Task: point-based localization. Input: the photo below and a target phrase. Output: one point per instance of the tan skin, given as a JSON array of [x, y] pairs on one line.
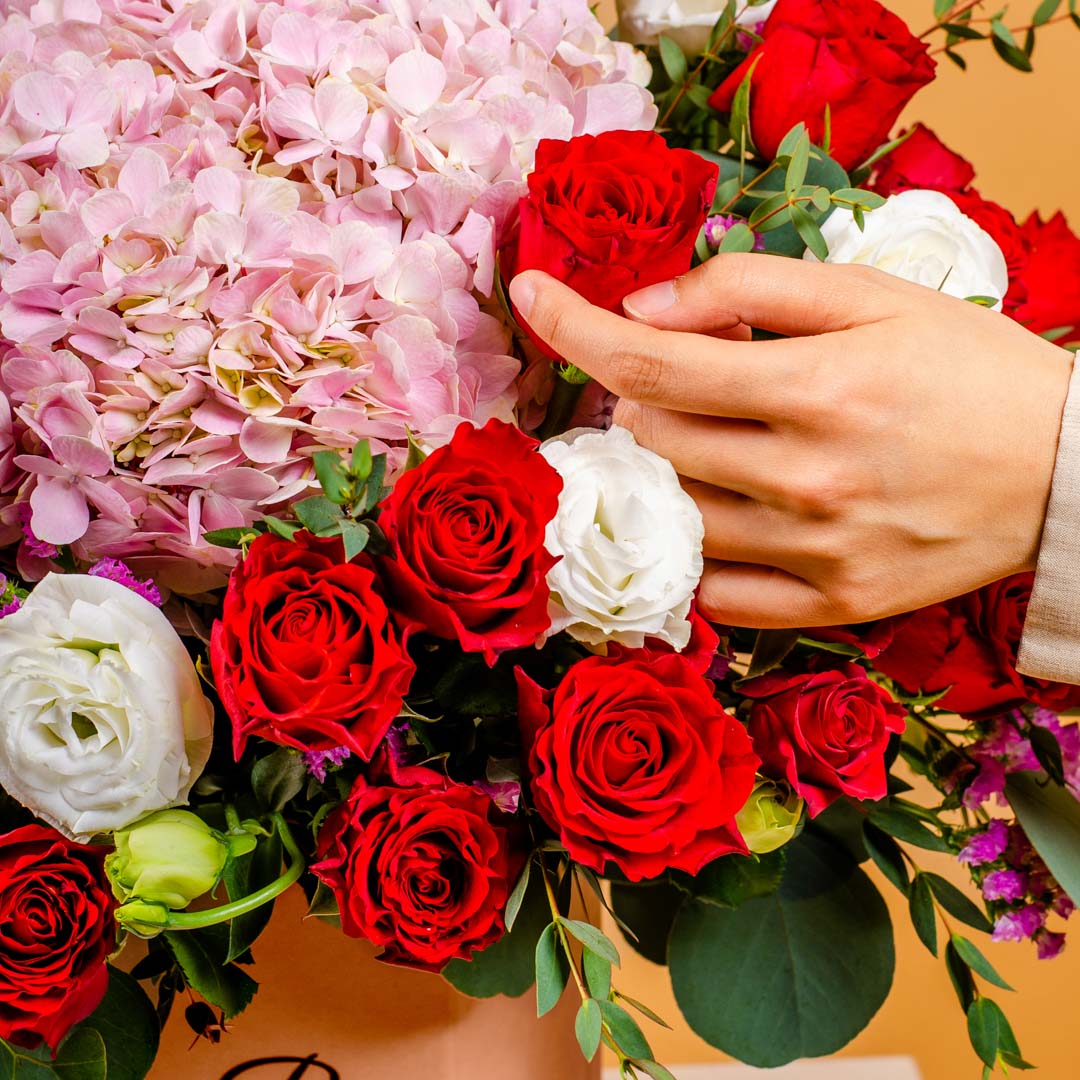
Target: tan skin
[[896, 448]]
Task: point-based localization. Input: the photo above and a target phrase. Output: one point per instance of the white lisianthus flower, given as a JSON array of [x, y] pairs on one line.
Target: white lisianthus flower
[[687, 22], [923, 237], [629, 538], [102, 718]]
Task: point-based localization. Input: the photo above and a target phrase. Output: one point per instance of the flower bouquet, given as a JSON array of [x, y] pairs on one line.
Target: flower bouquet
[[322, 571]]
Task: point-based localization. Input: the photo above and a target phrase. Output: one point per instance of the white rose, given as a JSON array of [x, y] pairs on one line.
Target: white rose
[[687, 22], [921, 236], [630, 540], [102, 719]]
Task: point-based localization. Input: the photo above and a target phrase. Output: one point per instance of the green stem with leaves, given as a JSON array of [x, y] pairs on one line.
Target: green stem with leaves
[[694, 75]]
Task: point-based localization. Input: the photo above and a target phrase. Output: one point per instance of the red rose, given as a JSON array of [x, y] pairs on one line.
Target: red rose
[[305, 653], [970, 644], [825, 731], [1047, 296], [1002, 226], [420, 865], [608, 214], [466, 533], [632, 761], [923, 161], [56, 932], [850, 55]]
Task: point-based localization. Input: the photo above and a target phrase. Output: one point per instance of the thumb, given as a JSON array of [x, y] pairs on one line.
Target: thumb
[[771, 292]]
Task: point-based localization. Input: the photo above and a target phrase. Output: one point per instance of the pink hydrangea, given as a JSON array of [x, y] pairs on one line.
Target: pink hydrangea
[[233, 233]]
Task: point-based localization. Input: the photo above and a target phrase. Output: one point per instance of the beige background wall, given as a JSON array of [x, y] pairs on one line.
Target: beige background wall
[[1022, 134]]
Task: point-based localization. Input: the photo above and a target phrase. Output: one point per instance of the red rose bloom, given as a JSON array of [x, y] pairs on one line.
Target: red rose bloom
[[420, 866], [853, 56], [824, 731], [632, 761], [56, 932], [1047, 296], [466, 533], [305, 653], [923, 161], [970, 645], [608, 214]]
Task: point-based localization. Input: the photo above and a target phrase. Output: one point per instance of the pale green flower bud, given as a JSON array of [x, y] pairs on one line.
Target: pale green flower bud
[[142, 919], [770, 817], [167, 859]]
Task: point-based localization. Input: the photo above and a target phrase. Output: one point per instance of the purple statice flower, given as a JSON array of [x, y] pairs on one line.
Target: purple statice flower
[[1006, 885], [397, 743], [115, 570], [1068, 737], [987, 846], [505, 794], [1062, 905], [10, 607], [39, 549], [318, 761], [719, 225], [1049, 944], [1020, 925], [989, 782]]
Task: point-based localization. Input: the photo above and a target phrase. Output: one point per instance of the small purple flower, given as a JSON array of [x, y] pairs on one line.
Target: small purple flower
[[505, 794], [10, 607], [719, 225], [39, 549], [1050, 944], [987, 846], [318, 761], [1019, 925], [1007, 885], [115, 570], [1062, 905], [397, 743], [989, 782]]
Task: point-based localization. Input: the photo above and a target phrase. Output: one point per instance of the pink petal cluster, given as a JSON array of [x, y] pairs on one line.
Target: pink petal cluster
[[235, 231]]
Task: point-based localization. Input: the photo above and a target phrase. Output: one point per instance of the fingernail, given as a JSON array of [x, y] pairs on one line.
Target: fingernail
[[645, 303], [523, 293]]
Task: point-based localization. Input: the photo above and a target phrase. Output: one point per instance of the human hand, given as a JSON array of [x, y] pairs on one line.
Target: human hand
[[895, 449]]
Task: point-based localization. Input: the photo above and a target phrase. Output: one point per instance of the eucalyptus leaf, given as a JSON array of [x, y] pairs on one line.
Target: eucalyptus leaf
[[673, 59], [552, 970], [984, 1029], [957, 903], [649, 911], [923, 913], [960, 974], [588, 1027], [1050, 815], [977, 962], [625, 1032], [278, 778]]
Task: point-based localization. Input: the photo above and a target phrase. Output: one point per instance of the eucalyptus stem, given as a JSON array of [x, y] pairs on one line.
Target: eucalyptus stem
[[197, 920]]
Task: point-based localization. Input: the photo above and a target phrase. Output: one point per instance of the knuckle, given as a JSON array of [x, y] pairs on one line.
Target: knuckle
[[638, 368], [820, 492]]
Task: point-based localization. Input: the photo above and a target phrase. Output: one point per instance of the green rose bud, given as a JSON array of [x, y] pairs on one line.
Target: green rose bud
[[142, 919], [770, 817], [167, 860]]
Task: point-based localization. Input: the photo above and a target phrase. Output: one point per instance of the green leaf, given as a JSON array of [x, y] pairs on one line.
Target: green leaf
[[374, 489], [509, 966], [201, 956], [673, 59], [625, 1032], [1050, 815], [597, 974], [517, 895], [360, 465], [887, 856], [771, 648], [808, 230], [977, 962], [655, 1070], [739, 125], [643, 1009], [984, 1029], [790, 141], [699, 94], [81, 1057], [552, 971], [1005, 46], [592, 938], [901, 825], [285, 529], [923, 913], [244, 876], [958, 904], [788, 975], [731, 880], [317, 514], [330, 472], [969, 33], [960, 974], [957, 59], [941, 8], [1048, 752], [589, 1023], [231, 538], [649, 911], [868, 200], [739, 237], [355, 536], [278, 778], [800, 162]]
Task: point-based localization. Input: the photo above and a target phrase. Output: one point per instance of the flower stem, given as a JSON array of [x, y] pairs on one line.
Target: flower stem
[[196, 920], [564, 398]]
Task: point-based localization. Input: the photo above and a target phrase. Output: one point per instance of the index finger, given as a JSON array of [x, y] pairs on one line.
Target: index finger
[[670, 369]]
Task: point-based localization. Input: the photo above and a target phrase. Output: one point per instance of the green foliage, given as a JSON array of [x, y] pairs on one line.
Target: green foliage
[[887, 856], [957, 903], [243, 876], [903, 825], [795, 974], [771, 649], [976, 961], [732, 880], [592, 937], [552, 970], [649, 912], [588, 1026], [1050, 816], [278, 778], [923, 913], [201, 955], [509, 966], [625, 1032]]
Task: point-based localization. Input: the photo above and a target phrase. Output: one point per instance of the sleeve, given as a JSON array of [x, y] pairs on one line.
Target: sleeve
[[1050, 647]]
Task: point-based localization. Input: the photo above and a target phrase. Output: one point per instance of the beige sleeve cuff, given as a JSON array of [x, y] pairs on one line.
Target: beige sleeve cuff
[[1050, 647]]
